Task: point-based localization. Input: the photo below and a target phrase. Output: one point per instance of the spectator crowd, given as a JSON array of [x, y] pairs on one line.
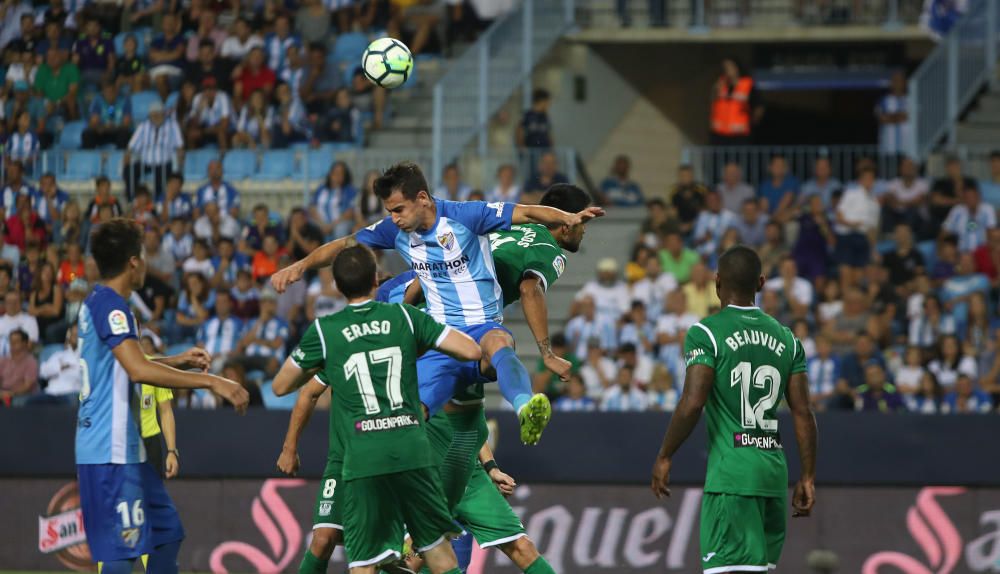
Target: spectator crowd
[[892, 286]]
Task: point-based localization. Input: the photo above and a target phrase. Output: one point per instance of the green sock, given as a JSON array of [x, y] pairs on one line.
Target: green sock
[[539, 566], [312, 565], [454, 571], [456, 466]]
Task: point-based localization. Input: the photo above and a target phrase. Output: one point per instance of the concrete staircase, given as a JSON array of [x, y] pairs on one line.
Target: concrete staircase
[[981, 125], [411, 111]]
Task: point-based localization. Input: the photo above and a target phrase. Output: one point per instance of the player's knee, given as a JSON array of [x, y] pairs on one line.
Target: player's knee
[[493, 341], [521, 551], [324, 541]]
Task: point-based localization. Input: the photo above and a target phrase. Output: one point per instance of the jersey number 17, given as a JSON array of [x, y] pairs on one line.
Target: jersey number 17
[[357, 366]]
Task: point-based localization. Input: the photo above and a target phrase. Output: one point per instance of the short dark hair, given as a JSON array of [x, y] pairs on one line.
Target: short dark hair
[[20, 333], [566, 197], [559, 340], [206, 43], [627, 348], [740, 270], [176, 176], [540, 95], [113, 244], [404, 177], [101, 180], [354, 271]]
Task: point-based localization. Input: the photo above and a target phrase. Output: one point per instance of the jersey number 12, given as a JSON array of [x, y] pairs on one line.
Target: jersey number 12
[[764, 377], [357, 366]]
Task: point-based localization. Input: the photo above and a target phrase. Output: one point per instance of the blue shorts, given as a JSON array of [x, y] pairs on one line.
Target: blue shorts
[[126, 510], [440, 376]]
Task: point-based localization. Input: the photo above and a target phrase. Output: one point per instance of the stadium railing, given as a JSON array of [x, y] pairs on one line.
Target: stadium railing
[[288, 186], [699, 15], [709, 161], [487, 74], [952, 75]]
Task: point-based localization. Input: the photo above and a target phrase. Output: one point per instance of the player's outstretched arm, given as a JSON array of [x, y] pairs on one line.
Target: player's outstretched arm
[[193, 358], [142, 370], [797, 395], [291, 377], [288, 461], [697, 385], [536, 313], [552, 216], [460, 346], [322, 255]]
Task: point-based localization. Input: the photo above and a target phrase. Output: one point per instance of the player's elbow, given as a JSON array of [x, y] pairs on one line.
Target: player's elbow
[[281, 385]]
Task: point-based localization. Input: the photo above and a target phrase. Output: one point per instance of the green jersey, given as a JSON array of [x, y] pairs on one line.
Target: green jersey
[[525, 250], [368, 353], [753, 356]]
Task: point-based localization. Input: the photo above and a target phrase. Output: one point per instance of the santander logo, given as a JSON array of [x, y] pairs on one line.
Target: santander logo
[[278, 526], [933, 530]]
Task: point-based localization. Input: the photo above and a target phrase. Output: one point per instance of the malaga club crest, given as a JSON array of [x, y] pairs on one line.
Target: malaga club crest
[[447, 240]]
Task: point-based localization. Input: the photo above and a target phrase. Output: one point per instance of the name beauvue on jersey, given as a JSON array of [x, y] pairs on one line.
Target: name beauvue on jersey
[[753, 337]]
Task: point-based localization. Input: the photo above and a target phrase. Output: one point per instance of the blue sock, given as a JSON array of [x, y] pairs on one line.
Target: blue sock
[[163, 560], [117, 567], [463, 550], [513, 378]]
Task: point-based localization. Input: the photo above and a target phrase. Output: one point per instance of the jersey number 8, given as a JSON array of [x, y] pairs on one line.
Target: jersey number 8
[[764, 377]]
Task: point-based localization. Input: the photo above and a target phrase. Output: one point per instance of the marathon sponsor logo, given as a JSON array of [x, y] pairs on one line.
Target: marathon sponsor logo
[[386, 423], [435, 266], [761, 441]]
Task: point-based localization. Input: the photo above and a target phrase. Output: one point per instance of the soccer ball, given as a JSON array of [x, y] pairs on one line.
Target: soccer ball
[[387, 62]]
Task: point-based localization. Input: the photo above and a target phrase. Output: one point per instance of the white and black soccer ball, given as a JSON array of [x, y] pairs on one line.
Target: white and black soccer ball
[[387, 62]]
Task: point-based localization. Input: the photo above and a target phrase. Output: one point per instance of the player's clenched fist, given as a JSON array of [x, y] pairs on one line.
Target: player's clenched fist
[[232, 392], [288, 462], [585, 215], [285, 277]]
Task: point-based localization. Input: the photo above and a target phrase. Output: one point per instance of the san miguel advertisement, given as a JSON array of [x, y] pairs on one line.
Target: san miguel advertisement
[[263, 526]]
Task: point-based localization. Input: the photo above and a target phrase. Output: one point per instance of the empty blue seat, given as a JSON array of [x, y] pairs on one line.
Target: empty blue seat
[[113, 164], [140, 104], [71, 136], [929, 250], [82, 165], [276, 165], [196, 163], [139, 40], [349, 48], [239, 164], [318, 163]]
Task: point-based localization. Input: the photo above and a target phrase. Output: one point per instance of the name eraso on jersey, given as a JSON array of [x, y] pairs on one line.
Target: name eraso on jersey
[[356, 330], [752, 337]]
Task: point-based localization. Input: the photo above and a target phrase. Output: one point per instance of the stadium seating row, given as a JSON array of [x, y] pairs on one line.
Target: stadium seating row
[[271, 165]]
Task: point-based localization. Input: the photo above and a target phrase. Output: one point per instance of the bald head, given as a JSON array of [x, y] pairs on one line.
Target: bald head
[[739, 272]]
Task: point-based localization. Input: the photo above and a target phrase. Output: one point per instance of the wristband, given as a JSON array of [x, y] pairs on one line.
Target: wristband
[[489, 465], [174, 452]]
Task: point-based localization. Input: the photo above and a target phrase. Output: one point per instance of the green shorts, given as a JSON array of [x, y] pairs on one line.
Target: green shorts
[[328, 512], [741, 533], [376, 508], [484, 512], [455, 441]]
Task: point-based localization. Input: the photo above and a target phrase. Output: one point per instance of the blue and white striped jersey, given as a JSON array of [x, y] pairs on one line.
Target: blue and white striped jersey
[[211, 115], [22, 147], [107, 429], [156, 145], [275, 329], [277, 51], [180, 247], [452, 259], [41, 206], [180, 206], [331, 203], [220, 336], [225, 196], [8, 196]]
